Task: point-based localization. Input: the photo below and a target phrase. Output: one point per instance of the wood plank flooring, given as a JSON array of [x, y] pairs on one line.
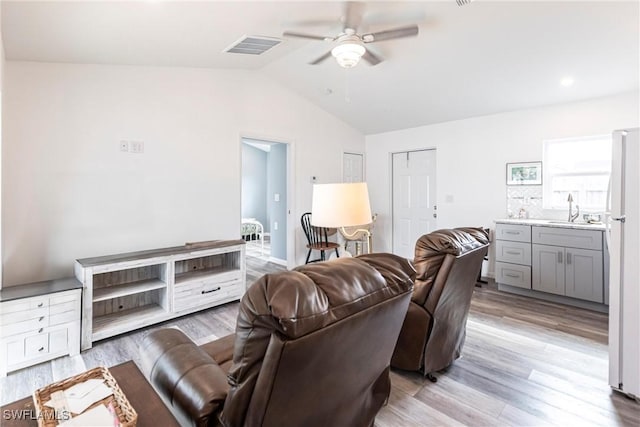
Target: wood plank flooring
[[525, 363]]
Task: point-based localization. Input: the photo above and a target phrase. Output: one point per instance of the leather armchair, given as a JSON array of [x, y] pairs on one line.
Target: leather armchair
[[312, 348], [447, 263]]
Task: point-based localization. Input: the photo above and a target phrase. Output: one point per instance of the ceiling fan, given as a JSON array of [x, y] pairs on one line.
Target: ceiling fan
[[349, 45]]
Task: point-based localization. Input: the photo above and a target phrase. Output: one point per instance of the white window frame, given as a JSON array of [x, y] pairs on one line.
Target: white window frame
[[547, 190]]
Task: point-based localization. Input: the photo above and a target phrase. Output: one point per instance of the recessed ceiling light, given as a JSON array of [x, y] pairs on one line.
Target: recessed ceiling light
[[566, 81]]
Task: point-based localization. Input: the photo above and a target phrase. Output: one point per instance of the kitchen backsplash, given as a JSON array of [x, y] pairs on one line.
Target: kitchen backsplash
[[524, 201]]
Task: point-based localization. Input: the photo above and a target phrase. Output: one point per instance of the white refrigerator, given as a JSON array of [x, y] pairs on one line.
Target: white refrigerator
[[623, 237]]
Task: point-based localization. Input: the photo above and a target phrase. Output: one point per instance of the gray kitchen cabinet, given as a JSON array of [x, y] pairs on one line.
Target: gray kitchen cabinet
[[548, 269], [570, 263], [513, 255], [566, 263], [584, 278]]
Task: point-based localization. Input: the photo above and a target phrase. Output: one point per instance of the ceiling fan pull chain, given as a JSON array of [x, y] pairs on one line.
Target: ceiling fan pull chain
[[347, 95]]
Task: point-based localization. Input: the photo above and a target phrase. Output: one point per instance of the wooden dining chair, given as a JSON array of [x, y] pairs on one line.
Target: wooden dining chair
[[317, 239]]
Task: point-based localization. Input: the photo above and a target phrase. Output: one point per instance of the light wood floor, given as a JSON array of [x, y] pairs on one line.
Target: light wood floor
[[525, 363]]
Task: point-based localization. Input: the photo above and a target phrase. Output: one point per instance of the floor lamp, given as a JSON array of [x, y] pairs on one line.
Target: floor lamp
[[340, 206]]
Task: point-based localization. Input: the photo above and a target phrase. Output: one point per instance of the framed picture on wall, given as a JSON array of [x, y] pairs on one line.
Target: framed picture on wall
[[527, 173]]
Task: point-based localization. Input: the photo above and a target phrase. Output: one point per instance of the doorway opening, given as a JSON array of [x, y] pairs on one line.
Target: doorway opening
[[413, 205], [265, 199]]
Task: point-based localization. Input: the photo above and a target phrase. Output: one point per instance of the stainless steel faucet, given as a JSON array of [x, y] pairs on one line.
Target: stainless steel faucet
[[572, 216]]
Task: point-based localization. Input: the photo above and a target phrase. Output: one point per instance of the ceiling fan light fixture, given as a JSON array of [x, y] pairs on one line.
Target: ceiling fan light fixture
[[348, 53]]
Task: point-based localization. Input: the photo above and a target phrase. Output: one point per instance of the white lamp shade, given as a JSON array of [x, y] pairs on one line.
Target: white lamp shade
[[340, 205]]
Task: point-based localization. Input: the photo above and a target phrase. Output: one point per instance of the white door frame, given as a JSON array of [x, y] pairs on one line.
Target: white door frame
[[291, 225], [391, 180]]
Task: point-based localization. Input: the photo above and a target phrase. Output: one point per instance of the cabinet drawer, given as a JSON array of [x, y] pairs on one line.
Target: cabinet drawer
[[513, 274], [21, 316], [30, 325], [61, 308], [568, 237], [513, 252], [64, 297], [513, 232], [36, 345], [204, 293], [60, 318], [23, 305]]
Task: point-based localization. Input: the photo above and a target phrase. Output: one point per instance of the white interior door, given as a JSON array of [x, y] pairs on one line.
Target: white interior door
[[352, 167], [414, 209]]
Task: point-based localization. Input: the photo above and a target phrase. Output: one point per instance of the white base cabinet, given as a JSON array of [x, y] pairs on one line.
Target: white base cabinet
[[40, 324], [128, 291]]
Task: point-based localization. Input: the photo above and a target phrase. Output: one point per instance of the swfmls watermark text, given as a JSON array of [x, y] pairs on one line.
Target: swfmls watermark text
[[30, 414]]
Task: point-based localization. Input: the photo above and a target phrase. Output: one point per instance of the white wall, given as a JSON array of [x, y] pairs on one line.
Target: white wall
[[69, 193], [472, 154]]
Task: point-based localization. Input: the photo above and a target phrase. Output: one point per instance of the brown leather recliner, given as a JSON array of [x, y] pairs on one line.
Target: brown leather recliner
[[312, 348], [447, 263]]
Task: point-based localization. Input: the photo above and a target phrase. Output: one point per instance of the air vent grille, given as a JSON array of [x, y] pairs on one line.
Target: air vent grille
[[253, 45]]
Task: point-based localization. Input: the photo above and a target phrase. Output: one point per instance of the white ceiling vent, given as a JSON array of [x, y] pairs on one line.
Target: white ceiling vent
[[253, 45]]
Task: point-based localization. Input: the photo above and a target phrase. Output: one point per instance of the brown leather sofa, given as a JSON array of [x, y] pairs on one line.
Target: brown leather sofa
[[312, 348], [447, 263]]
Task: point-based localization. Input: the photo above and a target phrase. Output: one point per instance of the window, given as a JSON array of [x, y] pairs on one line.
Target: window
[[580, 166]]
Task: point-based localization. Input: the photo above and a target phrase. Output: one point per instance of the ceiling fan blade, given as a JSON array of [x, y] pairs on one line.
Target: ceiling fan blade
[[371, 57], [353, 11], [396, 33], [320, 59], [305, 36]]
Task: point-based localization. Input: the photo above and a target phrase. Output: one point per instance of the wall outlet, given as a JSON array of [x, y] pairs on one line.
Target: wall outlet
[[136, 147], [275, 225], [276, 197], [124, 146]]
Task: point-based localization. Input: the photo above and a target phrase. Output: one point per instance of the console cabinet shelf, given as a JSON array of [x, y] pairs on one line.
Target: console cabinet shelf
[[129, 291]]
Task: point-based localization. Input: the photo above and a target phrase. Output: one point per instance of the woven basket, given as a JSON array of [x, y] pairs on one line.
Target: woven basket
[[46, 416]]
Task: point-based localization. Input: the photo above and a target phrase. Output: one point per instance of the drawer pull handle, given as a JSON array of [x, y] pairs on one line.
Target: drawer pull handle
[[559, 257], [513, 253], [41, 319], [569, 258], [41, 349], [40, 330], [512, 275], [212, 290], [40, 305], [512, 232]]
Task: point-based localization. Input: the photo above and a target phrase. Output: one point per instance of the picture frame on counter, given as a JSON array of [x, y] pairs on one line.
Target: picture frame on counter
[[525, 173]]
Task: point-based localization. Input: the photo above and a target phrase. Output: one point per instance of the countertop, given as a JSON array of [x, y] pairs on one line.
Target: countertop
[[553, 223], [29, 290]]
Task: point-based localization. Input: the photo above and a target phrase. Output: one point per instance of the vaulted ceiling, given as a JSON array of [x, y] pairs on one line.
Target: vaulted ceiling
[[483, 58]]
